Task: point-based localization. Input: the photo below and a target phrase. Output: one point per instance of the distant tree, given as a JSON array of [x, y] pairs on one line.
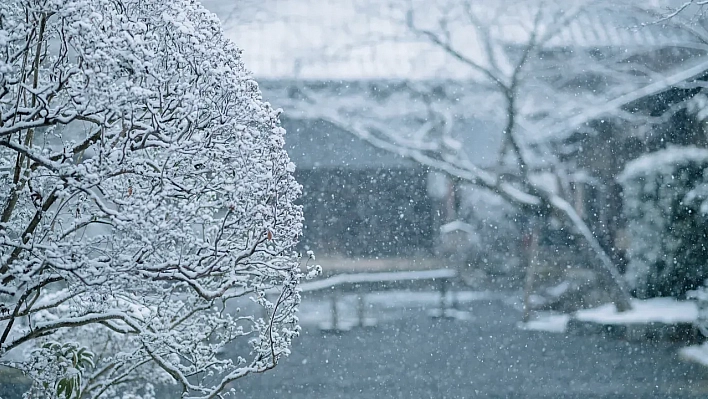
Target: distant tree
[[525, 74], [144, 195]]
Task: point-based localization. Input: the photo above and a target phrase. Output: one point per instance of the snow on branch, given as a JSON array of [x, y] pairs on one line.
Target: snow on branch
[[614, 105]]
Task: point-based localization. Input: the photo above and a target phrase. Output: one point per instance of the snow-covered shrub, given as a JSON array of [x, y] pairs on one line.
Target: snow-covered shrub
[[667, 229], [144, 195]]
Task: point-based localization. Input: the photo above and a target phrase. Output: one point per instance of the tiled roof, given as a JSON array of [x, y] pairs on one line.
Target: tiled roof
[[351, 39]]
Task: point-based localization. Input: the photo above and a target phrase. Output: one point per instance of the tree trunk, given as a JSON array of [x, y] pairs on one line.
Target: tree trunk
[[531, 258], [602, 264]]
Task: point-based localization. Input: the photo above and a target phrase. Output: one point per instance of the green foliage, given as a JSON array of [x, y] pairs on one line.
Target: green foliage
[[72, 361]]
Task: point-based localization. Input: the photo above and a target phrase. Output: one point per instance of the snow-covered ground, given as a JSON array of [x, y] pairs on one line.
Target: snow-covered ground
[[416, 356], [653, 310], [547, 322], [695, 353]]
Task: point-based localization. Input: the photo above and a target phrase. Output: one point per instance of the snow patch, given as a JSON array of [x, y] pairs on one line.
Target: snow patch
[[556, 323], [660, 310], [379, 277], [695, 353], [458, 225], [558, 290]]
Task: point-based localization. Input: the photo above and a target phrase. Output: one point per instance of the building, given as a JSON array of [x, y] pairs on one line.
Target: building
[[356, 57]]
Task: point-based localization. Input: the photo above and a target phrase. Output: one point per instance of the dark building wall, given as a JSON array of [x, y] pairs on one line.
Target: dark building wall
[[366, 212]]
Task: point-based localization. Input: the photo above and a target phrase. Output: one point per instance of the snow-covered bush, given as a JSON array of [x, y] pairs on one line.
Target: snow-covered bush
[[664, 204], [144, 196]]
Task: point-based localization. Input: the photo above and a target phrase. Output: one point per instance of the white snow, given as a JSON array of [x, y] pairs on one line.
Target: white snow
[[355, 278], [556, 323], [664, 160], [545, 181], [458, 225], [661, 310], [558, 290], [695, 353]]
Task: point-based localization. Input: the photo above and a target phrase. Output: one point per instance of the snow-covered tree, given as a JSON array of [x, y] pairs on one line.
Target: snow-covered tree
[[525, 74], [145, 197]]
